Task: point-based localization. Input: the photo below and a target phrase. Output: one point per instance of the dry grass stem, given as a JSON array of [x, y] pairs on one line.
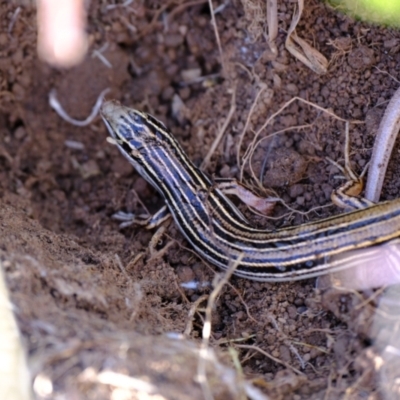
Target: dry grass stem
[[214, 24], [182, 7], [204, 349], [221, 132], [250, 151], [15, 379], [300, 49], [277, 360], [254, 11], [193, 309], [241, 137], [264, 165], [272, 22]]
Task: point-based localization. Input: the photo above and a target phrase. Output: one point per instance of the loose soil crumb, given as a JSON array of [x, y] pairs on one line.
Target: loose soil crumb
[[89, 298]]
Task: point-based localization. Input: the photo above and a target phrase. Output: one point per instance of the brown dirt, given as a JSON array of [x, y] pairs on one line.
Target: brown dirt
[[83, 297]]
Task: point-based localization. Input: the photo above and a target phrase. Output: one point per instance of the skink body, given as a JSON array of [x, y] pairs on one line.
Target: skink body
[[219, 232]]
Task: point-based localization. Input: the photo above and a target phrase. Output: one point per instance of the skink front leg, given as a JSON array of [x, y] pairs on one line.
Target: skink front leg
[[149, 222]]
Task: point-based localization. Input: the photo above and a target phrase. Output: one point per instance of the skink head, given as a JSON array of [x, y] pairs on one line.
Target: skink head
[[137, 135], [126, 125]]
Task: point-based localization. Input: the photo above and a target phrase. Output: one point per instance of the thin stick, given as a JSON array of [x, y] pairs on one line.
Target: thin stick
[[13, 20], [192, 312], [122, 5], [383, 146], [277, 360], [15, 380], [272, 22], [264, 164], [241, 137], [214, 23], [182, 7], [221, 132], [203, 357], [250, 150]]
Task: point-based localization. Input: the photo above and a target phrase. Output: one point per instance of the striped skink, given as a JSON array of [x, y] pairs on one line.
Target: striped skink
[[219, 232]]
